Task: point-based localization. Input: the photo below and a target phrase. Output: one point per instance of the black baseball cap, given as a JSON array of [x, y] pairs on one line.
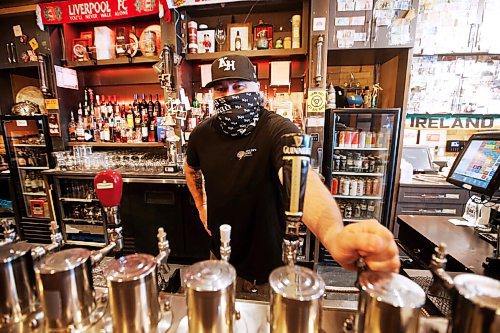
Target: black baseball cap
[[232, 67]]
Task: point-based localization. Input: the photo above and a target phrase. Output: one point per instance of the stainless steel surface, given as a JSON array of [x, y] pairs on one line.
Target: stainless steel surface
[[17, 283], [210, 296], [388, 302], [296, 298], [477, 305], [64, 282], [133, 294], [9, 231]]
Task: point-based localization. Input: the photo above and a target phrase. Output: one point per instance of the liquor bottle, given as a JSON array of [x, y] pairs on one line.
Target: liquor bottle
[[80, 110], [237, 42], [143, 106], [109, 107], [116, 107], [27, 183], [130, 117], [97, 107], [98, 131], [105, 132], [152, 133], [151, 108], [118, 127], [111, 125], [72, 129], [144, 129], [80, 133], [137, 118], [157, 108], [136, 103], [103, 107], [86, 107], [91, 104], [41, 183]]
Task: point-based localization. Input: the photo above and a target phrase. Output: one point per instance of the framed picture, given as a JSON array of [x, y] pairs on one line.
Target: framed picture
[[87, 35], [80, 49], [241, 33], [206, 41]]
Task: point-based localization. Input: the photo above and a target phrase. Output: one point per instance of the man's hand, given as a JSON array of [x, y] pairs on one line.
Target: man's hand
[[370, 240], [202, 210]]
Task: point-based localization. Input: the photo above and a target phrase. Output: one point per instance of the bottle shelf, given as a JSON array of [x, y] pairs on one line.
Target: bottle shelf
[[28, 145], [362, 149], [86, 221], [35, 194], [356, 220], [78, 200], [368, 174], [34, 168], [115, 62], [270, 53], [359, 197], [117, 144]]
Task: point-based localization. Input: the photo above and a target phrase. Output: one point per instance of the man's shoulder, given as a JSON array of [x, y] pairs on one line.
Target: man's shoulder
[[278, 123], [203, 128]]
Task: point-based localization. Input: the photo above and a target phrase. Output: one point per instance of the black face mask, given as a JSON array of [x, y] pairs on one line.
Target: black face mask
[[238, 114]]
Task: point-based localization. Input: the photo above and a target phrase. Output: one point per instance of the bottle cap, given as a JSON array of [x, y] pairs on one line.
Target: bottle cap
[[225, 233]]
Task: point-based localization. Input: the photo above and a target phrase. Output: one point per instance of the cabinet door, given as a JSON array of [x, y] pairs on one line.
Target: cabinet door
[[392, 27], [350, 23], [27, 22]]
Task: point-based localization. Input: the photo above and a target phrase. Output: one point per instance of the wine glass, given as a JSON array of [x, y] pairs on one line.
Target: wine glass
[[220, 35]]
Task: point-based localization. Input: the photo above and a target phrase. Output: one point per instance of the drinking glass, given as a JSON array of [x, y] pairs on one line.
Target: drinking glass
[[220, 35]]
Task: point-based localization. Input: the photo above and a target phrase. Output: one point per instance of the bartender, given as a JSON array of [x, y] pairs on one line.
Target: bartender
[[233, 171]]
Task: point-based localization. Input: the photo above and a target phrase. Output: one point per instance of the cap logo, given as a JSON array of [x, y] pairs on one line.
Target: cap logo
[[228, 65]]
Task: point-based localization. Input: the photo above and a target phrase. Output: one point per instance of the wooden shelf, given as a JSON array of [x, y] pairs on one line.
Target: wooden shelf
[[27, 145], [349, 148], [252, 54], [115, 62], [358, 197], [346, 173], [33, 168], [118, 144]]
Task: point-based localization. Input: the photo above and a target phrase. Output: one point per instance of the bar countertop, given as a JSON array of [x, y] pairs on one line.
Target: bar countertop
[[463, 244]]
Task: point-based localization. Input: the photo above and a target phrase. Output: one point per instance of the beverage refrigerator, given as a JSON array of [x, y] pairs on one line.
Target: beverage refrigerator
[[360, 150], [29, 151]]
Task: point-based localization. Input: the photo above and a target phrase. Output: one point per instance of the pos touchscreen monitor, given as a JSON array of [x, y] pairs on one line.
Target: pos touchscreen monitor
[[476, 168]]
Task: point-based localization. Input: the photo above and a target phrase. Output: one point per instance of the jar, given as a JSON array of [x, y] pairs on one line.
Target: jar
[[287, 42], [295, 32]]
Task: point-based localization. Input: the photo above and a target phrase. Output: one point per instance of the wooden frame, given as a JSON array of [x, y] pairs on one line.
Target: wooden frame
[[83, 42], [89, 35], [243, 28]]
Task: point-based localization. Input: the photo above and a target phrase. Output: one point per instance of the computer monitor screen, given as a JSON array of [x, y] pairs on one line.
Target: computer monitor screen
[[419, 157], [476, 168]]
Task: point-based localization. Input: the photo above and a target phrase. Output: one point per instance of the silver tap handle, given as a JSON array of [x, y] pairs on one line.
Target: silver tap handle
[[162, 258], [225, 239]]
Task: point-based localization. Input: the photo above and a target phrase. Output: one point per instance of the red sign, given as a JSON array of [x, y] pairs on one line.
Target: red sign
[[77, 11]]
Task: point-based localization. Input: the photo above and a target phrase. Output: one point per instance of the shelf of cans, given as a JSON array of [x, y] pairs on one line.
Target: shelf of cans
[[356, 211], [358, 139]]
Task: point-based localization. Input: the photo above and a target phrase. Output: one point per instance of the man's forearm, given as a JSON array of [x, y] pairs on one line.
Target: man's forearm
[[194, 180], [321, 214]]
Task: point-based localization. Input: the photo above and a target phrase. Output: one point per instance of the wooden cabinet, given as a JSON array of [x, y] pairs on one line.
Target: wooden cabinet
[[420, 198]]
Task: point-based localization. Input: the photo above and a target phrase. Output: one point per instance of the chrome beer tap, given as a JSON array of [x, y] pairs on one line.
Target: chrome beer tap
[[161, 259], [9, 232], [56, 238]]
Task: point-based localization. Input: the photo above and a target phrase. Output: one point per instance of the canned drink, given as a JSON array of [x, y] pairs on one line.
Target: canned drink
[[345, 188], [361, 187], [353, 189], [368, 140], [376, 187], [369, 187], [374, 139], [343, 163], [362, 139], [335, 186], [341, 139], [336, 162], [355, 140], [341, 186], [348, 139]]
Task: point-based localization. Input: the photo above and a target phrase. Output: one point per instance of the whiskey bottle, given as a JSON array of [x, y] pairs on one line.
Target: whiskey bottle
[[72, 129], [237, 42]]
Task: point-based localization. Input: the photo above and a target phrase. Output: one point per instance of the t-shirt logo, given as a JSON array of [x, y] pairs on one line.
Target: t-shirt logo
[[228, 65], [245, 153]]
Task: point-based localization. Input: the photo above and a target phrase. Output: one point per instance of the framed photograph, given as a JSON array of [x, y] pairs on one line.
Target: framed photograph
[[80, 49], [206, 41], [87, 35], [241, 33]]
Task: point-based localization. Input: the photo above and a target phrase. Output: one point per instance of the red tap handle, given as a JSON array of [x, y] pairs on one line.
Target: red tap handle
[[108, 185]]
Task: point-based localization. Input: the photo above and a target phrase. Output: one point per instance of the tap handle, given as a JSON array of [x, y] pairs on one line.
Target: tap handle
[[225, 233]]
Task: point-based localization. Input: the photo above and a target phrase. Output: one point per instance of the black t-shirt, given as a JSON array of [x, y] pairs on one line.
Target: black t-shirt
[[244, 191]]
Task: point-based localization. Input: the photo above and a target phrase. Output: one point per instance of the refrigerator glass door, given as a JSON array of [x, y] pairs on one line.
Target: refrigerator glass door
[[28, 157], [363, 143]]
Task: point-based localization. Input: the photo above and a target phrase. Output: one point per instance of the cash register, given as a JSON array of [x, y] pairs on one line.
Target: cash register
[[477, 170]]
